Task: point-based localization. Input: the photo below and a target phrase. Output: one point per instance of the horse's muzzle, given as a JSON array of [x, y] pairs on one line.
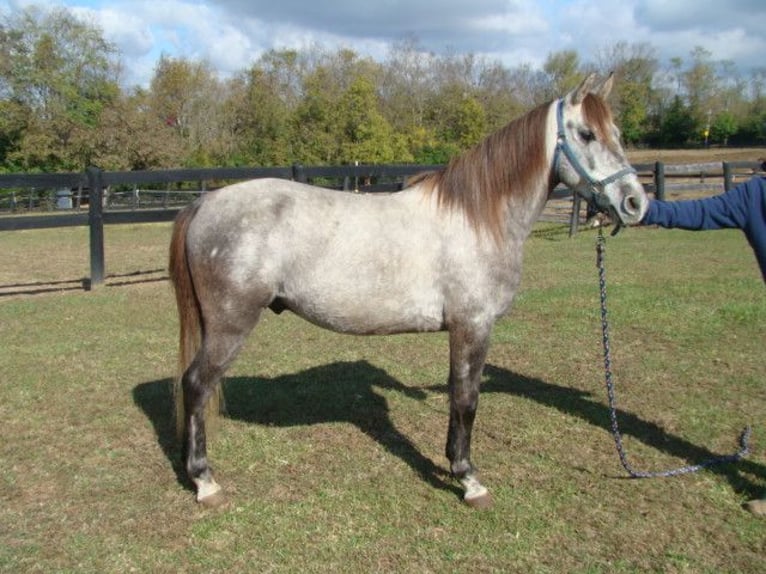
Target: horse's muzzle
[[633, 206]]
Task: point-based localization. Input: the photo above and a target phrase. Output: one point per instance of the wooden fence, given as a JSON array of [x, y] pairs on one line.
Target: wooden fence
[[133, 196]]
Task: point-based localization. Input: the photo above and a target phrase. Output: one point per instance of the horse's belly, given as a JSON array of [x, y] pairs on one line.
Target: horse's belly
[[369, 315]]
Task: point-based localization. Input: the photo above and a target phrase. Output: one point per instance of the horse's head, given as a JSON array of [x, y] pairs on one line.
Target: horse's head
[[589, 157]]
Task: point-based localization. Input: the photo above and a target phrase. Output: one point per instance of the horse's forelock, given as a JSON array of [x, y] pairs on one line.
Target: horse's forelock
[[510, 162], [599, 117]]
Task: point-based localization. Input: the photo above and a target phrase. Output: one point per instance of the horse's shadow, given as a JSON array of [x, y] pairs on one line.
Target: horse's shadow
[[346, 392], [338, 392], [581, 404]]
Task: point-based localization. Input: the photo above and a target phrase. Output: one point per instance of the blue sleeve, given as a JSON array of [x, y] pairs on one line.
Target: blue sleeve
[[743, 207], [728, 209]]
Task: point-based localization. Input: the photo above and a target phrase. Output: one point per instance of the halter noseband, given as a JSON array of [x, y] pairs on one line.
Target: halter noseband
[[562, 146]]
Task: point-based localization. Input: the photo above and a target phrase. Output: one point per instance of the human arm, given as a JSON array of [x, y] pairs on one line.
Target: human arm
[[742, 207], [727, 210]]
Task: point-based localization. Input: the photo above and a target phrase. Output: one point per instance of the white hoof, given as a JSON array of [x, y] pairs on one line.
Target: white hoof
[[209, 492], [476, 495]]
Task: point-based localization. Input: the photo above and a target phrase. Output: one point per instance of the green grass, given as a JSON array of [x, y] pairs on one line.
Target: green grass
[[332, 455]]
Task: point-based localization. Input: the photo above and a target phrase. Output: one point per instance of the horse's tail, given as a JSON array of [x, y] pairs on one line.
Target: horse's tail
[[189, 315]]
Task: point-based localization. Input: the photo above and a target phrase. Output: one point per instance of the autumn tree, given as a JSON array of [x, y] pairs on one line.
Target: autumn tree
[[405, 88], [634, 66], [406, 85], [132, 136], [563, 71], [187, 96], [263, 101], [498, 95], [700, 83], [62, 106], [57, 75]]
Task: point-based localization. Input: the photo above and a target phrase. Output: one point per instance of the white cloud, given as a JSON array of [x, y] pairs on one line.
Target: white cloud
[[128, 31], [681, 15], [231, 34]]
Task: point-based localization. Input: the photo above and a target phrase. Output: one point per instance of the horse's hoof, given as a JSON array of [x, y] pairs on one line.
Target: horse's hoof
[[214, 500], [481, 502], [476, 494]]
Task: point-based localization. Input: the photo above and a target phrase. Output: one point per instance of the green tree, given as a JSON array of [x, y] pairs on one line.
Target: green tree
[[563, 71], [14, 119], [263, 101], [459, 118], [632, 113], [57, 76], [634, 66], [367, 135], [701, 86], [315, 123], [678, 125], [723, 126]]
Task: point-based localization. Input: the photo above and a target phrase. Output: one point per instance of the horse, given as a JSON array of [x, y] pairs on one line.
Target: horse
[[443, 254]]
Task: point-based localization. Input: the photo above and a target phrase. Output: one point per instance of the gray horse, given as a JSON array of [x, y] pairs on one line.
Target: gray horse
[[444, 254]]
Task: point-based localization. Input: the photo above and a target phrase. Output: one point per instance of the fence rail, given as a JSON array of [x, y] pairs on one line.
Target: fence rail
[[105, 192]]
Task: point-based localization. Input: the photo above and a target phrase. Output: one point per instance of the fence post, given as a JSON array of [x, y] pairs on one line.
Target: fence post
[[299, 174], [574, 218], [728, 176], [96, 226], [659, 181]]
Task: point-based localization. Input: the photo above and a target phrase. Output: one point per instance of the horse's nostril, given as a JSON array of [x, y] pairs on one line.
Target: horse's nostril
[[632, 204]]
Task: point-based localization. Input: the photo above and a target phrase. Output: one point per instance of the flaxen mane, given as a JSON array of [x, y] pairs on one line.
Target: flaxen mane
[[479, 182]]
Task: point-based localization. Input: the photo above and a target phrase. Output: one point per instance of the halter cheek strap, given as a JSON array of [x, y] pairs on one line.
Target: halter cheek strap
[[562, 146]]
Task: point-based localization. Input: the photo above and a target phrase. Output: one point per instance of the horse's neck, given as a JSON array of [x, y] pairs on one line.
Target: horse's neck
[[524, 209], [522, 217]]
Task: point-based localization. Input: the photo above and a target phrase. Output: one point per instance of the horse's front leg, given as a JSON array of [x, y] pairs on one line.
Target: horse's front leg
[[468, 351]]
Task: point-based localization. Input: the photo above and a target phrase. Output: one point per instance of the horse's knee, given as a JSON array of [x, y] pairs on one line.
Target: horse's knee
[[466, 403], [198, 383]]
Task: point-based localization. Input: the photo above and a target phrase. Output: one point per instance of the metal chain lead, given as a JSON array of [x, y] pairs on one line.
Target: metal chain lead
[[743, 439]]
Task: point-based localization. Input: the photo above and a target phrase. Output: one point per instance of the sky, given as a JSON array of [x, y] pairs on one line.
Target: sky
[[232, 34]]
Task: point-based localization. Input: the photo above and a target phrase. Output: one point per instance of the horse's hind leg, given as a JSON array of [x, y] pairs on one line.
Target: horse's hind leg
[[219, 348], [468, 351]]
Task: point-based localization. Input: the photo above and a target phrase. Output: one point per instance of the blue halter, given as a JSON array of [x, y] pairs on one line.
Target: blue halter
[[562, 146]]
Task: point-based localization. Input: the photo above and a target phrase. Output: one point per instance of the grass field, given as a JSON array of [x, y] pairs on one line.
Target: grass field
[[332, 454]]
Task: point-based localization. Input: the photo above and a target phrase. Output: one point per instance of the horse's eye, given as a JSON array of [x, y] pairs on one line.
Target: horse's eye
[[587, 135]]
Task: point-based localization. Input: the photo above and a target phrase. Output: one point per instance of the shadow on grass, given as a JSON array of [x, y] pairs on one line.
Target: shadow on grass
[[581, 404], [82, 284], [346, 392], [339, 392]]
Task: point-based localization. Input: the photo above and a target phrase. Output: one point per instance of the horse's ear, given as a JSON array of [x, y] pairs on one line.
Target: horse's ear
[[606, 87], [578, 95]]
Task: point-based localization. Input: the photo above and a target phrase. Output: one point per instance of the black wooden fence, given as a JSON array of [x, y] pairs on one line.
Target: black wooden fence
[[105, 192]]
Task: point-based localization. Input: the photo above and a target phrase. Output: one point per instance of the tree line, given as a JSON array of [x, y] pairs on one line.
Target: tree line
[[63, 106]]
